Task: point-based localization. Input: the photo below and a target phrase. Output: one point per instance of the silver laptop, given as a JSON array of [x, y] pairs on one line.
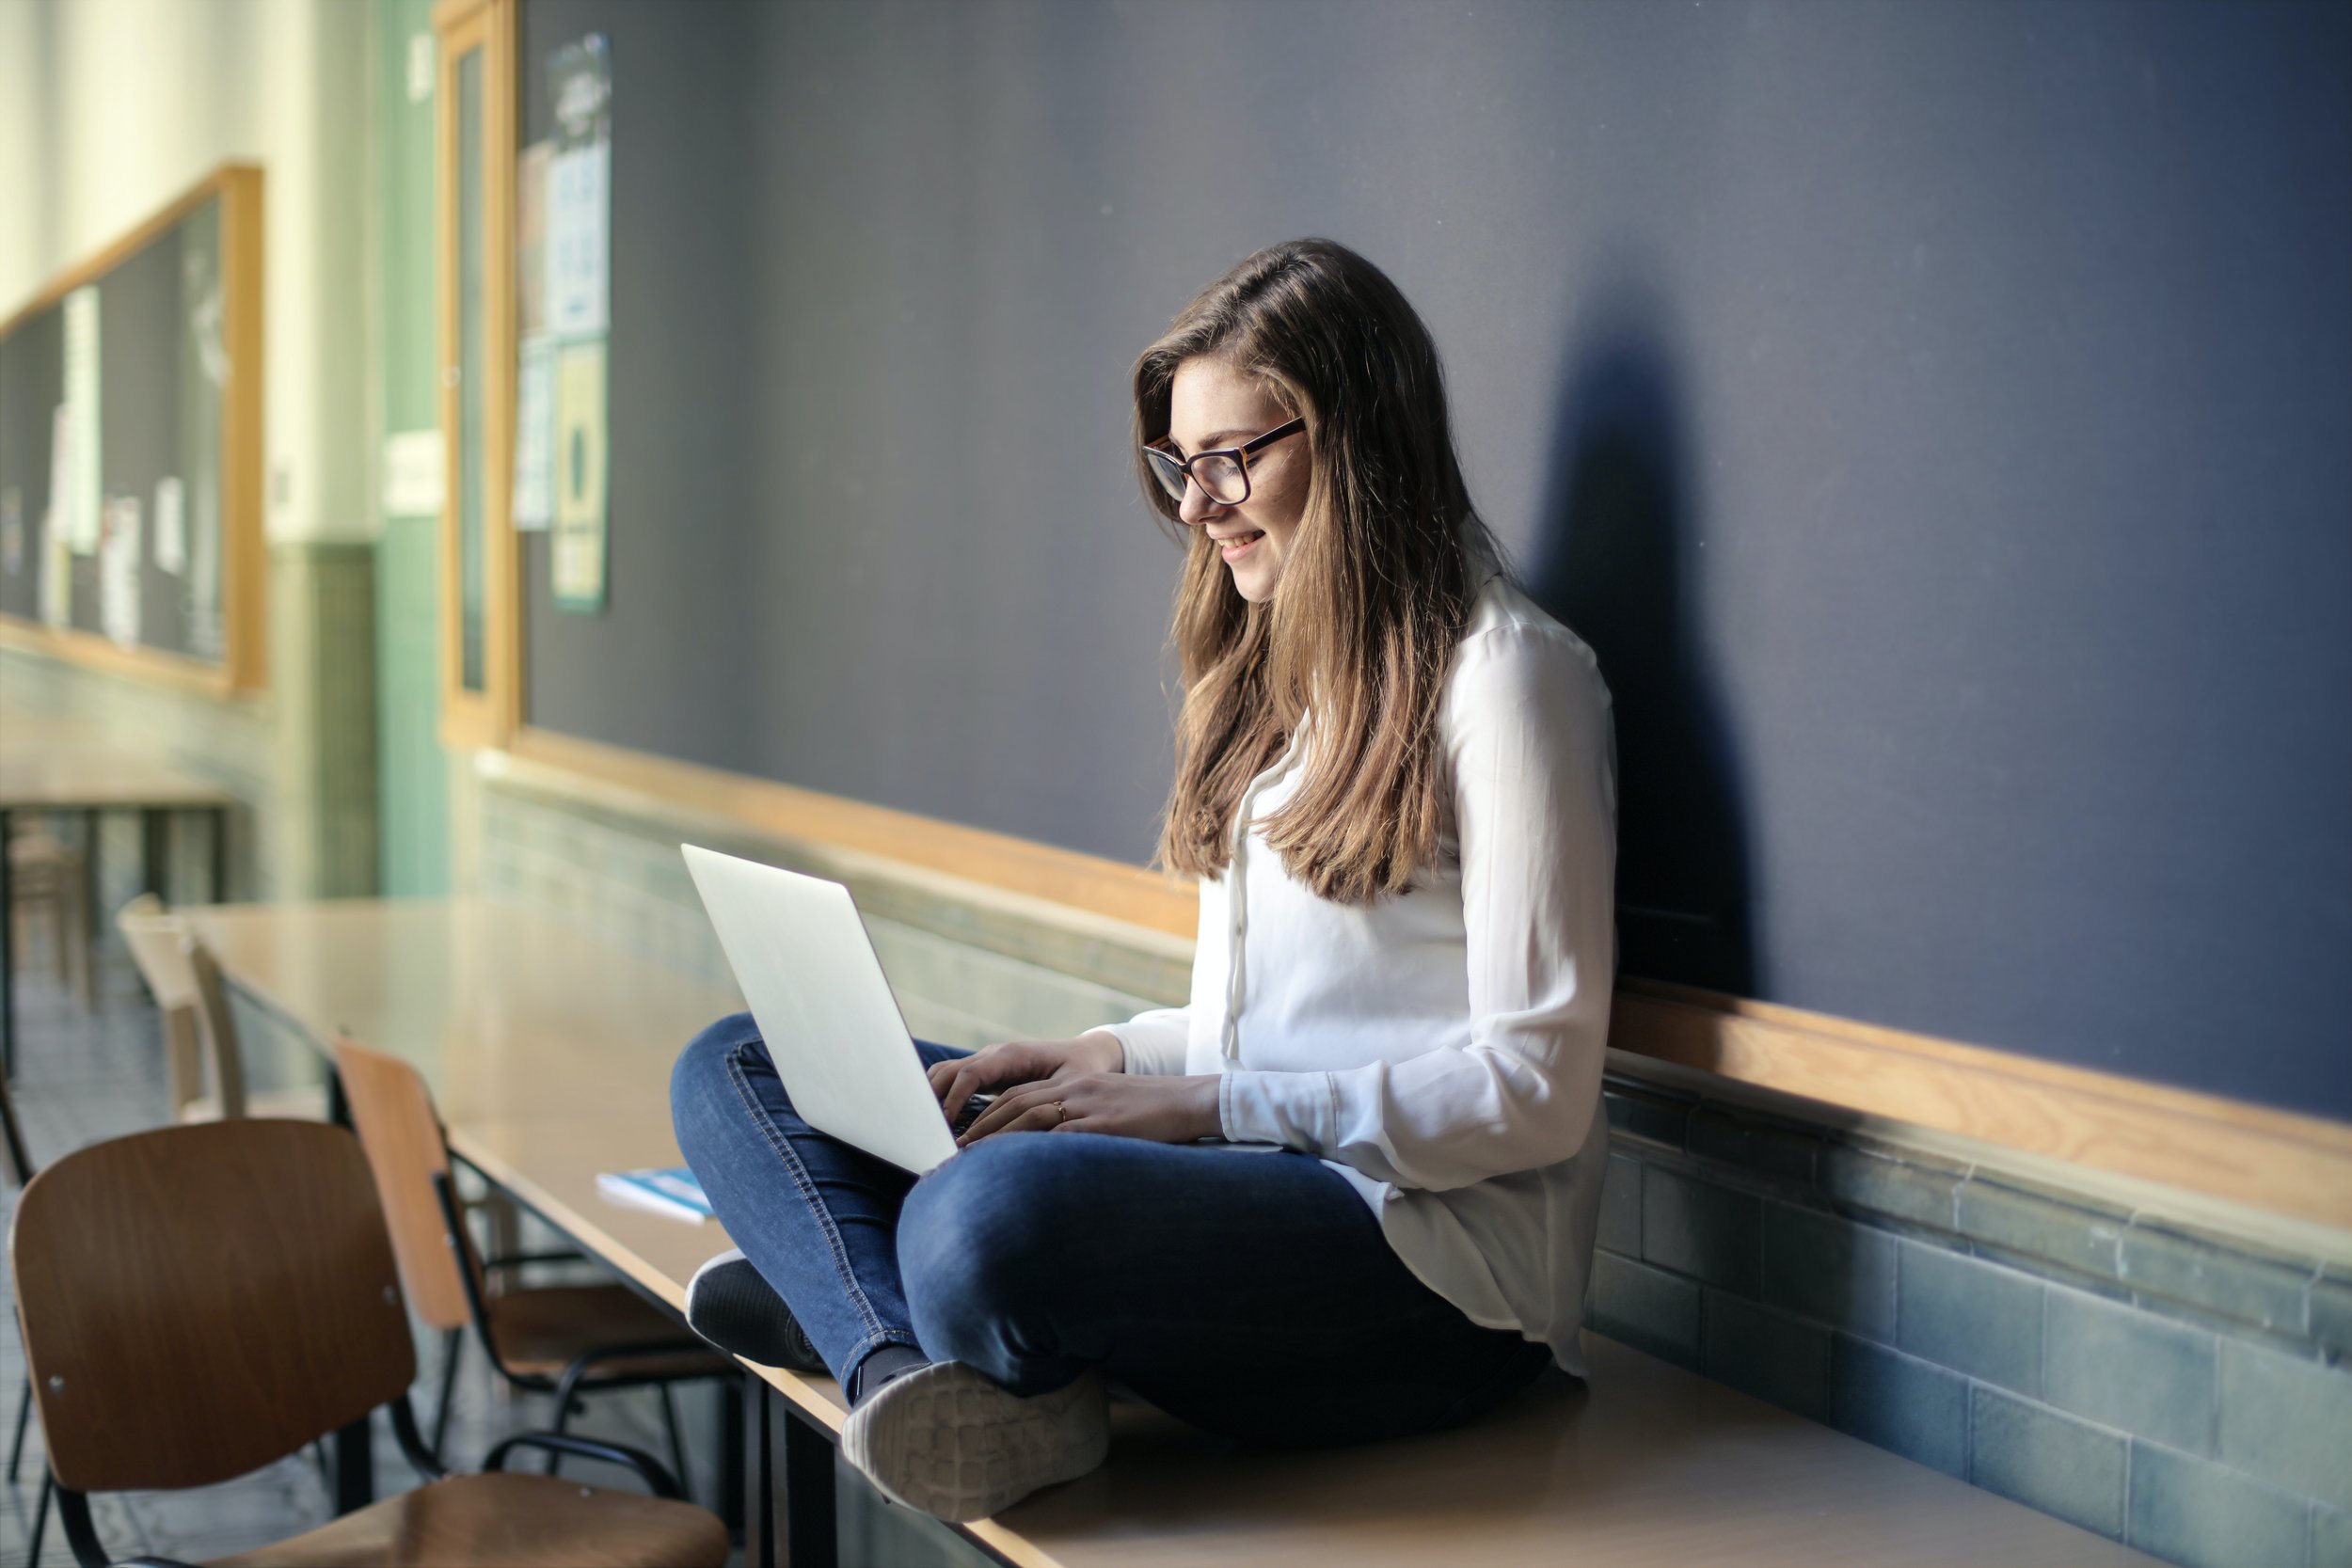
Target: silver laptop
[[817, 990]]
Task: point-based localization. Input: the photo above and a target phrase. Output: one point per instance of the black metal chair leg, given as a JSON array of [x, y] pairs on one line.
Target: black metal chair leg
[[41, 1518], [566, 1392], [23, 1420], [452, 1346], [677, 1444]]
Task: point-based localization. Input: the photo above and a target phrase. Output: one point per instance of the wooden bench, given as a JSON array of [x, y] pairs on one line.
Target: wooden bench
[[549, 1052]]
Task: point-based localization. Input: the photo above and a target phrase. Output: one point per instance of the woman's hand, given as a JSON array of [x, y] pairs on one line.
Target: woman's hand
[[995, 1066], [1159, 1110]]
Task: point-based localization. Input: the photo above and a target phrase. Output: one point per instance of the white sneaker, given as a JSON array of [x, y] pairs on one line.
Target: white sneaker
[[946, 1441]]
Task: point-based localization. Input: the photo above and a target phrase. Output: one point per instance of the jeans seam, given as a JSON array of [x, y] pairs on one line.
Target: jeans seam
[[878, 1332]]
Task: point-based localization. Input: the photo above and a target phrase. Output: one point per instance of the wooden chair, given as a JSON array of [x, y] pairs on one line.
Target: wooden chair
[[199, 1026], [46, 879], [564, 1340], [201, 1301], [19, 1160]]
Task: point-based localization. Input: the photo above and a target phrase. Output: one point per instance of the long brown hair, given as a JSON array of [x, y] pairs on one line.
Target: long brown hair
[[1376, 591]]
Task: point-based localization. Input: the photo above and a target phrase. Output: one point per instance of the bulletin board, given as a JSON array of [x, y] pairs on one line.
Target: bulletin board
[[130, 448]]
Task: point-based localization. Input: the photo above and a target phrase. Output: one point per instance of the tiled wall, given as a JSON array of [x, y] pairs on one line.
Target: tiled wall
[[2162, 1382]]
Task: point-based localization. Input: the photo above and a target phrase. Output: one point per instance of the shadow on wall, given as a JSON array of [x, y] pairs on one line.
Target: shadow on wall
[[1611, 559]]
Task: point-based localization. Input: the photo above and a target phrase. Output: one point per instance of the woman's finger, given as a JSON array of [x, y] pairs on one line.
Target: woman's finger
[[975, 1074], [1007, 1112], [958, 1086]]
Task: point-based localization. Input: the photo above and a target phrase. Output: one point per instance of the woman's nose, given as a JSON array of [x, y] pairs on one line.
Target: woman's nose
[[1198, 505]]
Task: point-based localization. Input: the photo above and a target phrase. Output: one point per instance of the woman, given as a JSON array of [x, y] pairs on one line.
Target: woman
[[1396, 783]]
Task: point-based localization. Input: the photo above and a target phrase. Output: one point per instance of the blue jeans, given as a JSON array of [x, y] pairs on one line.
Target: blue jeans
[[1251, 1294]]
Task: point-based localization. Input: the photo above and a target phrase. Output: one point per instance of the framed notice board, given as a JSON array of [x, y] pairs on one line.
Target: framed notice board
[[131, 449]]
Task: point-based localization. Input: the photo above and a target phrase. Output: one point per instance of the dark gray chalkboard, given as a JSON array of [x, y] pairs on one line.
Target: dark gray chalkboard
[[159, 416], [1939, 416]]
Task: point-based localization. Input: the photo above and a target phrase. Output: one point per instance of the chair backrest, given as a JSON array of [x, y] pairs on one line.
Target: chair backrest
[[199, 1300], [158, 941], [392, 1111], [220, 1026]]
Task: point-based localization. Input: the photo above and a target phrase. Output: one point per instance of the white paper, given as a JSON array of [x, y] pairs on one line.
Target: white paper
[[119, 558], [577, 187], [415, 482], [534, 438], [171, 526], [56, 575], [62, 493], [81, 403], [202, 631], [577, 551]]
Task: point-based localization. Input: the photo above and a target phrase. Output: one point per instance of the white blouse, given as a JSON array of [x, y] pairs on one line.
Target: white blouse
[[1443, 1051]]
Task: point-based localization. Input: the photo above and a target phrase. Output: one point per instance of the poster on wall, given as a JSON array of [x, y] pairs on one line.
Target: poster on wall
[[82, 520], [563, 251], [578, 555], [578, 181], [534, 437], [63, 493], [118, 552], [56, 573], [171, 528]]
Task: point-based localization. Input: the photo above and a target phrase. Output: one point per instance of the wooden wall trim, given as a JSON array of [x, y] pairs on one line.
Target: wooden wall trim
[[479, 717], [2275, 1160], [1109, 888], [245, 575], [2294, 1166], [89, 649]]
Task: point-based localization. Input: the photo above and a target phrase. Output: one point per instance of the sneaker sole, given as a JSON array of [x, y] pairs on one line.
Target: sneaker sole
[[945, 1441]]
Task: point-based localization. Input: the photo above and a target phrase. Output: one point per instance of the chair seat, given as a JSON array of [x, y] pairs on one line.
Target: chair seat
[[490, 1521], [297, 1104], [543, 1328]]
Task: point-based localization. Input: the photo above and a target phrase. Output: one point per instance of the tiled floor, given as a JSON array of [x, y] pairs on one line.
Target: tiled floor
[[85, 1075]]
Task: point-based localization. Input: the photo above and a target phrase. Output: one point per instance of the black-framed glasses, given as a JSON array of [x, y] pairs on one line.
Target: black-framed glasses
[[1222, 473]]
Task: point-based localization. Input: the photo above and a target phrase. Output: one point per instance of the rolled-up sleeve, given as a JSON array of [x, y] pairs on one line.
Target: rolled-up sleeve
[[1531, 737], [1152, 1042]]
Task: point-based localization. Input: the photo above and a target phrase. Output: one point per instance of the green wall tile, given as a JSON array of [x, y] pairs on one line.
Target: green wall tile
[[1969, 1315], [2264, 1292], [2129, 1369], [2079, 1238], [1856, 1178], [1770, 1354], [1647, 1309], [2331, 1313], [1829, 1268], [1642, 1112], [2287, 1422], [2189, 1511], [1774, 1150], [1621, 1206], [2045, 1460], [1701, 1229], [1899, 1402]]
